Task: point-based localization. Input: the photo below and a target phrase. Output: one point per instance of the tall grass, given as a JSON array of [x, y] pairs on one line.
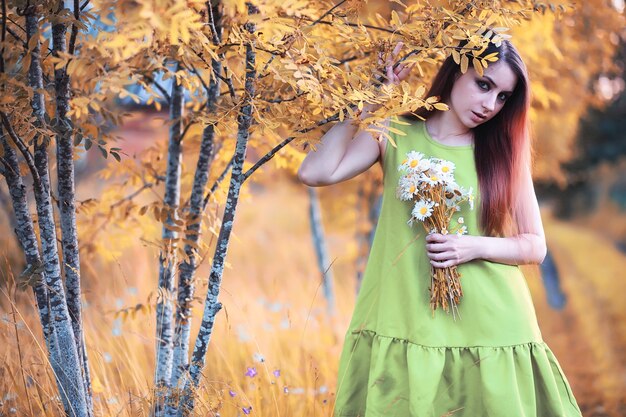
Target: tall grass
[[275, 351]]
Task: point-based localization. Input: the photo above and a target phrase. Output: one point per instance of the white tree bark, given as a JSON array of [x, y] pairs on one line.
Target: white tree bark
[[212, 306], [65, 351], [186, 287], [67, 206], [167, 258]]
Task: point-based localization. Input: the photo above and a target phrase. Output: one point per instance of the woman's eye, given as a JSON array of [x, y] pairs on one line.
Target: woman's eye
[[483, 85], [503, 97]]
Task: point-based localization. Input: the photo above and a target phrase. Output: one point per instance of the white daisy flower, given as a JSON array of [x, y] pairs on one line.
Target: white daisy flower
[[422, 210], [415, 161], [461, 220], [461, 231], [431, 178], [408, 186], [470, 197], [453, 187], [446, 168]]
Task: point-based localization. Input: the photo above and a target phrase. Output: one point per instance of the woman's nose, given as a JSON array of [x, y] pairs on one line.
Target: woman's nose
[[489, 103]]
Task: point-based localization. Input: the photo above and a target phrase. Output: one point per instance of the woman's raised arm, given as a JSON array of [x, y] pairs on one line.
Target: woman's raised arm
[[342, 154]]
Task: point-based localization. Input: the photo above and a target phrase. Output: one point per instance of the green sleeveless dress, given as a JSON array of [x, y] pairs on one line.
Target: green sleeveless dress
[[398, 360]]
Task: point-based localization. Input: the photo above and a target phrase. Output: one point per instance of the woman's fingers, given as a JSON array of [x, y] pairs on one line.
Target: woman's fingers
[[404, 72], [400, 72], [446, 264], [396, 50], [434, 256]]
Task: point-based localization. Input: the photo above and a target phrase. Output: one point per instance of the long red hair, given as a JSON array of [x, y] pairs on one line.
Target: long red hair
[[502, 147]]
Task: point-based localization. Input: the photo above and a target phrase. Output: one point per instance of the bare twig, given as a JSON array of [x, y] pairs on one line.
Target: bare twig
[[284, 143], [158, 86], [327, 13]]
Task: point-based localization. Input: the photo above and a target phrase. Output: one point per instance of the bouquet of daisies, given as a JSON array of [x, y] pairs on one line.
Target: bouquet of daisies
[[429, 184]]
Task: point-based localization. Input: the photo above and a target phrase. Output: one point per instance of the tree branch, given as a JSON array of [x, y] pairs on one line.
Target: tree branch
[[282, 100], [217, 183], [23, 149], [327, 13], [159, 87], [284, 143], [74, 31]]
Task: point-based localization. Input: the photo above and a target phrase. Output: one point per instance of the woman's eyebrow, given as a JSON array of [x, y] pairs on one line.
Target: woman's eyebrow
[[494, 84]]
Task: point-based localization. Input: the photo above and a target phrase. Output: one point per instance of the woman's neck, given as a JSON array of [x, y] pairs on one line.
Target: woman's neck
[[447, 129]]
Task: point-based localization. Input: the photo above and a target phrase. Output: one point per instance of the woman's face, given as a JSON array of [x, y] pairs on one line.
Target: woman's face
[[474, 96]]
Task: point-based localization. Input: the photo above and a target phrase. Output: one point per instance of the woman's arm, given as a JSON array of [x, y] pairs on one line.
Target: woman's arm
[[528, 247], [344, 152], [341, 154]]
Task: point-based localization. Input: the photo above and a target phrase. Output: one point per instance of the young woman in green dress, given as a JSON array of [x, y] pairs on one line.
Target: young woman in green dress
[[398, 359]]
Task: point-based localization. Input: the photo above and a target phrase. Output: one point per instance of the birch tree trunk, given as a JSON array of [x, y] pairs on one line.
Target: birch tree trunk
[[167, 257], [317, 231], [65, 352], [33, 275], [187, 268], [212, 306], [67, 206]]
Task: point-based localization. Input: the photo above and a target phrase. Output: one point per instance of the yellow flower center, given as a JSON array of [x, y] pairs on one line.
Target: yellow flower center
[[445, 169], [412, 189], [413, 163], [423, 210]]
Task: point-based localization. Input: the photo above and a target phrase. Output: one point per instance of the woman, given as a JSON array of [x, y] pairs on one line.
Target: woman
[[399, 360]]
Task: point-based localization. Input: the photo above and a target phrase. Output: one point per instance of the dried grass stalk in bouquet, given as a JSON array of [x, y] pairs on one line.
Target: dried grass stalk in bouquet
[[430, 185]]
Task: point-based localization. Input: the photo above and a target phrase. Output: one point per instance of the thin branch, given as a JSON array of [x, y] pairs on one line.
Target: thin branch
[[195, 71], [284, 143], [217, 183], [16, 36], [392, 31], [282, 100], [7, 167], [216, 37], [4, 35], [74, 32], [266, 66], [327, 13], [159, 87], [192, 120], [23, 149], [16, 24], [132, 195], [275, 52], [226, 79]]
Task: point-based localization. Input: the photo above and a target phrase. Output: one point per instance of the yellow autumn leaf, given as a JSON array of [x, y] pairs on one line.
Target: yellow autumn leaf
[[464, 64], [477, 66]]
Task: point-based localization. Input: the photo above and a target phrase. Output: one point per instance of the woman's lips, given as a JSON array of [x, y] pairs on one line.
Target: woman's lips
[[478, 117]]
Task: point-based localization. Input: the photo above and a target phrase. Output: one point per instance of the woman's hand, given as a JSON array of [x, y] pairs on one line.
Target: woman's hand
[[452, 249], [398, 74]]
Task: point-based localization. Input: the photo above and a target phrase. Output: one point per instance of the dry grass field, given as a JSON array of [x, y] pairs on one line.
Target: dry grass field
[[274, 347]]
